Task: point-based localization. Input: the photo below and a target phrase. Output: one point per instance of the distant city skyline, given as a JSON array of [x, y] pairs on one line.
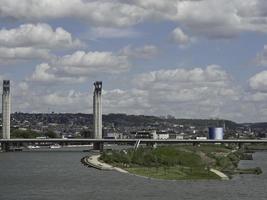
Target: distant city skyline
[[186, 58]]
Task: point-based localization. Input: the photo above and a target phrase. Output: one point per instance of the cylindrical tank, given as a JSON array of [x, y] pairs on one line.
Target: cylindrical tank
[[216, 133]]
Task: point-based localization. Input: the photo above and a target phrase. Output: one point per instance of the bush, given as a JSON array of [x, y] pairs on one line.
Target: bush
[[24, 134]]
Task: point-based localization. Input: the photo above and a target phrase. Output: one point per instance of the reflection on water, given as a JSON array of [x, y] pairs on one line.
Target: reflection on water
[[60, 175]]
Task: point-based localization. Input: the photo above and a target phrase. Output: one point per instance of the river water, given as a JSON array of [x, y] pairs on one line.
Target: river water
[[61, 176]]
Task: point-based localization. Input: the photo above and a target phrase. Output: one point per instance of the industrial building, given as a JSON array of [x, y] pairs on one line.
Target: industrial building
[[216, 133], [6, 109]]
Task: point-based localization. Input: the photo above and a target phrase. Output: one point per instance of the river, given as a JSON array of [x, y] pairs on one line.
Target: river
[[59, 175]]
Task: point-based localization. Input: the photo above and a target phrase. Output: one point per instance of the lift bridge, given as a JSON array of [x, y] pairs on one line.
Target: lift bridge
[[7, 144]]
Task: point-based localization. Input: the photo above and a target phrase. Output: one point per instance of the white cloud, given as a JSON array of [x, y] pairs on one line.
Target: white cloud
[[24, 53], [180, 37], [213, 74], [86, 63], [222, 18], [258, 82], [29, 100], [180, 92], [79, 66], [44, 73], [261, 58], [186, 93], [256, 97], [39, 35], [41, 73], [210, 18], [97, 12], [109, 32], [145, 52]]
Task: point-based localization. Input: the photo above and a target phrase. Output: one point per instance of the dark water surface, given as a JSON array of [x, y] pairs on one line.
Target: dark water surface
[[60, 175]]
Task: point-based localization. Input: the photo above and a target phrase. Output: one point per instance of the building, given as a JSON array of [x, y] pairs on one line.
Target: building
[[201, 138], [163, 135], [216, 133], [144, 135], [97, 110], [6, 108], [110, 135]]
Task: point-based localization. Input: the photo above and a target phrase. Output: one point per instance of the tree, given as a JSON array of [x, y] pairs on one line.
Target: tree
[[51, 134]]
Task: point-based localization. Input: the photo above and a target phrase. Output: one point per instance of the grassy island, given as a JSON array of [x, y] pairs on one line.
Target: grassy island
[[179, 162]]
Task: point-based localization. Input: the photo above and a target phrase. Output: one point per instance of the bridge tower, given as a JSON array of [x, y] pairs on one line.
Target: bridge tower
[[97, 112], [6, 108]]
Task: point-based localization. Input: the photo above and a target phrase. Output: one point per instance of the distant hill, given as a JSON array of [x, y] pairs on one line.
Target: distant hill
[[262, 125], [116, 119]]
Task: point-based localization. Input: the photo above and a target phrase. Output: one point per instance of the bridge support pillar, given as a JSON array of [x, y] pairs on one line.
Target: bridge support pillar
[[241, 145], [151, 144], [196, 144], [5, 147], [98, 146]]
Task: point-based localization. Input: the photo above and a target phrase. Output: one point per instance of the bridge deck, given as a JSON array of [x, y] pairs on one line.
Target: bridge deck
[[86, 141]]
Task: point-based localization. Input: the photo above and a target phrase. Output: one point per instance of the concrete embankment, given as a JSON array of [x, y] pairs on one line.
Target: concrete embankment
[[93, 161], [220, 174]]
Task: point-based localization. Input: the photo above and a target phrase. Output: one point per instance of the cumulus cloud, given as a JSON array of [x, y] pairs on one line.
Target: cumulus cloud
[[183, 92], [38, 35], [213, 74], [109, 32], [145, 52], [261, 58], [34, 41], [222, 18], [85, 63], [24, 53], [213, 19], [258, 82], [44, 73], [186, 93], [97, 12], [80, 65], [28, 100], [180, 37], [204, 92]]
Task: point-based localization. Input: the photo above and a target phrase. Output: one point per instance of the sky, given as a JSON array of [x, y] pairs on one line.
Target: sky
[[185, 58]]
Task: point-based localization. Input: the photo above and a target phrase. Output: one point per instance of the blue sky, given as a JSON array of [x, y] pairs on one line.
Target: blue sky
[[187, 58]]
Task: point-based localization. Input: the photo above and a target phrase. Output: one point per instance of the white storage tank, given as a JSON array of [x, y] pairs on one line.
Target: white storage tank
[[216, 133]]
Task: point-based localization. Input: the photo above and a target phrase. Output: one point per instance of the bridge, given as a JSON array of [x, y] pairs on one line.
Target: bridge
[[7, 143]]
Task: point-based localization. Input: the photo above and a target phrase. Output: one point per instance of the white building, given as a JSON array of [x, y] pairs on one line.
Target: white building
[[163, 135]]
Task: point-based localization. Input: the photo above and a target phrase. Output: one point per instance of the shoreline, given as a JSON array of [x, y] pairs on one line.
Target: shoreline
[[93, 161]]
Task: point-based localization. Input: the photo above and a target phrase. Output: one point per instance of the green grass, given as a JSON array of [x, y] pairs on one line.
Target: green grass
[[176, 162], [173, 173]]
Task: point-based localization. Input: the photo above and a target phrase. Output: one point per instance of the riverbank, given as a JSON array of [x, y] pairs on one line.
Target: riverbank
[[180, 162], [93, 161]]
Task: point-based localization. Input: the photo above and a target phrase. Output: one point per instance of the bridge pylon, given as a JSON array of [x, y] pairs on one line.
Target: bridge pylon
[[98, 146], [5, 146]]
